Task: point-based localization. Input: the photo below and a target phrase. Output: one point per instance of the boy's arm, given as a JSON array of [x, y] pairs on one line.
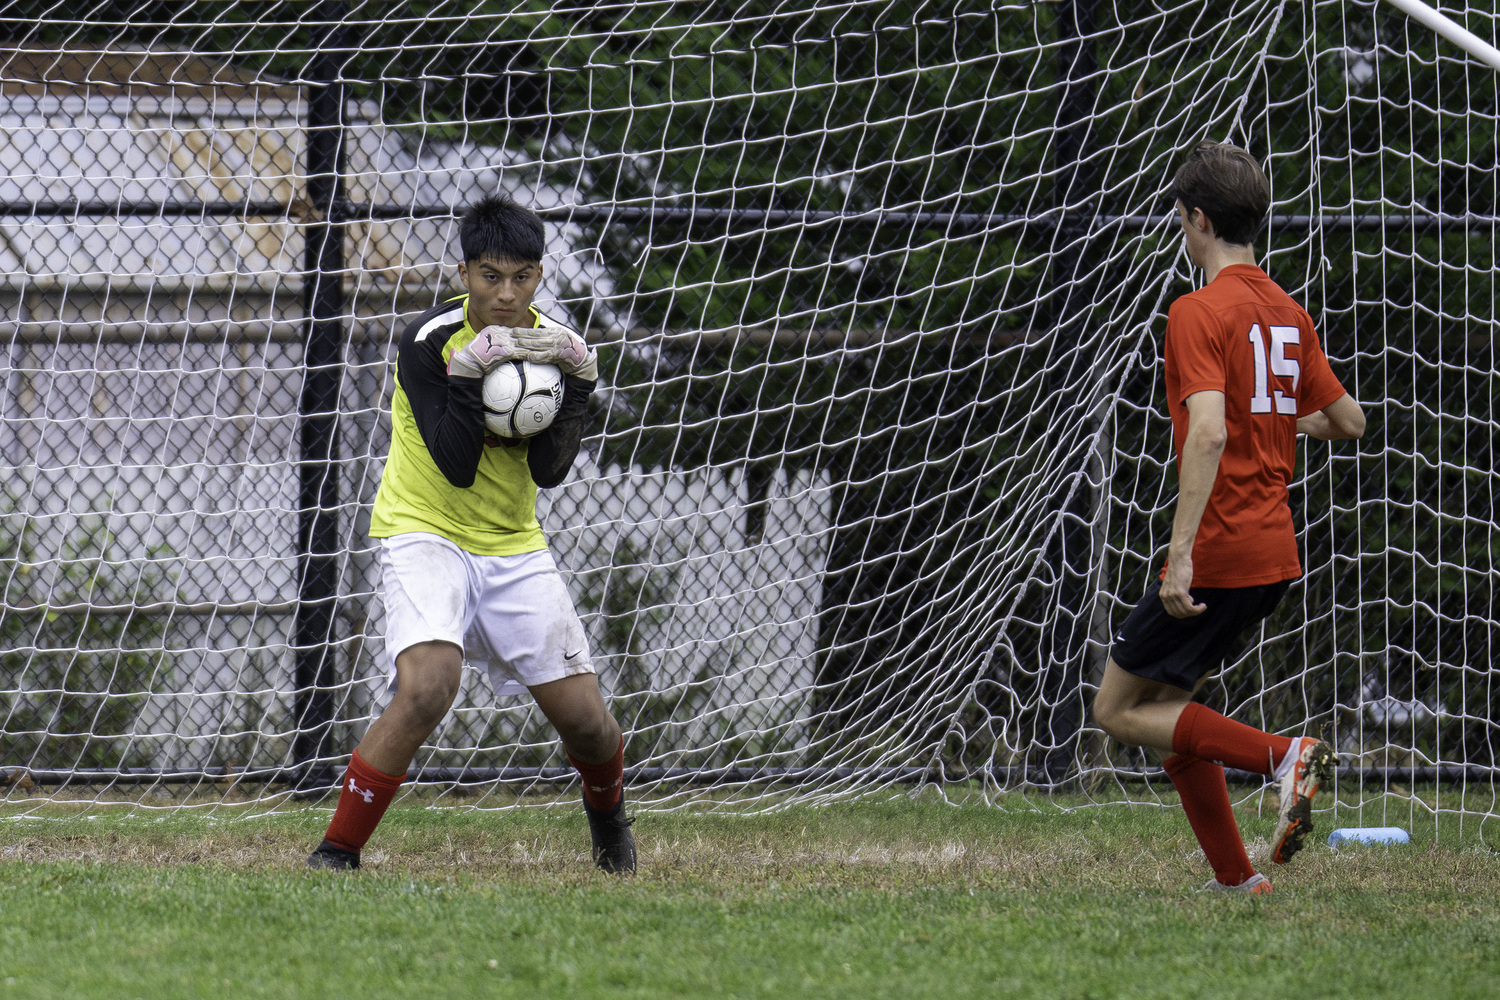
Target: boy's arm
[[1324, 410], [1197, 470], [550, 454], [449, 409], [1339, 420]]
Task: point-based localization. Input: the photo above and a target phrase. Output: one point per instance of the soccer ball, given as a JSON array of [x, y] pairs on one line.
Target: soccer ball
[[521, 398]]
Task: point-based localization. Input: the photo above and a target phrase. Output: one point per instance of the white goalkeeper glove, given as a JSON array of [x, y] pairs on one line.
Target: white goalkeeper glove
[[555, 346], [494, 345]]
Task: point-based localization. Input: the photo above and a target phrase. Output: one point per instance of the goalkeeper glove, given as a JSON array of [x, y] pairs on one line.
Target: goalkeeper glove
[[555, 346], [494, 345]]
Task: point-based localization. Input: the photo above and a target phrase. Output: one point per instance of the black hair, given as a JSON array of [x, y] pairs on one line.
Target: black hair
[[496, 228], [1228, 186]]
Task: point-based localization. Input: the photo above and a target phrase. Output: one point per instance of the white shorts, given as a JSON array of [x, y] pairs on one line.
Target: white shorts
[[509, 614]]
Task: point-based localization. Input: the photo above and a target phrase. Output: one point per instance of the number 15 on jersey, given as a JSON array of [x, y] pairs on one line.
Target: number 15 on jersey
[[1280, 364]]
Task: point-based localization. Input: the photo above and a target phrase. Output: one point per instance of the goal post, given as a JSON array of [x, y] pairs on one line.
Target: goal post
[[880, 458], [1439, 22]]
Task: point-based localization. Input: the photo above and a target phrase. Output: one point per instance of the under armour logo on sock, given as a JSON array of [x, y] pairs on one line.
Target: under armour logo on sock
[[605, 788], [366, 794]]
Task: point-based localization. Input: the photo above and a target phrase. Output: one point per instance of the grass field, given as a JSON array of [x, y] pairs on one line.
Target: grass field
[[900, 899]]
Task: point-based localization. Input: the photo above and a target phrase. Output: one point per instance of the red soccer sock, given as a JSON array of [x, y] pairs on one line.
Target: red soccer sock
[[603, 784], [1203, 733], [362, 801], [1205, 799]]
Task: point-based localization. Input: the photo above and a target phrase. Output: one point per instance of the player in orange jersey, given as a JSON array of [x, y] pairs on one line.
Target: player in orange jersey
[[1245, 375]]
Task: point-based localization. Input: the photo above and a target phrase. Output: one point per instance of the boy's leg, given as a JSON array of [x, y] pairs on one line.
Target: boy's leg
[[427, 682], [1205, 799], [1137, 711], [1144, 712], [1300, 766], [1149, 705], [575, 707], [596, 748], [1204, 733], [530, 633]]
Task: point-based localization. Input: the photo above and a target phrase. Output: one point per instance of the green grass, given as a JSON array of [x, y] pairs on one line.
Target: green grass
[[877, 900]]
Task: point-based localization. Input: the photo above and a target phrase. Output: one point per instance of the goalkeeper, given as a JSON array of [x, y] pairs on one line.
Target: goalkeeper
[[1245, 375], [465, 570]]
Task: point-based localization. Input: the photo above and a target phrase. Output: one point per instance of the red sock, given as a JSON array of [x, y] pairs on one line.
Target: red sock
[[603, 784], [362, 801], [1201, 732], [1205, 799]]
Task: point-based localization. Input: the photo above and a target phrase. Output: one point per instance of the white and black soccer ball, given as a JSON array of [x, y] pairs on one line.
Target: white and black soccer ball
[[521, 398]]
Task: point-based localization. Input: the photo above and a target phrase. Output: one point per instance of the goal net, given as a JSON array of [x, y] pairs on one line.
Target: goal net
[[880, 457]]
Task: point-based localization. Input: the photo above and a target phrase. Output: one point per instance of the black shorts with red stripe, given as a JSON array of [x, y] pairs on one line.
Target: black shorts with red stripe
[[1181, 651]]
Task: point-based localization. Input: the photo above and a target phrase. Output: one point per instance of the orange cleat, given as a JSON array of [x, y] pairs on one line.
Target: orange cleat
[[1311, 767]]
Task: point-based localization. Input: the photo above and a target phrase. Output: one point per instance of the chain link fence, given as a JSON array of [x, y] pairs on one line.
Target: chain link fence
[[880, 458]]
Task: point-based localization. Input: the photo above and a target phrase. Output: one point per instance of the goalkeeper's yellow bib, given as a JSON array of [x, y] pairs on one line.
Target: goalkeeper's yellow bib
[[494, 517]]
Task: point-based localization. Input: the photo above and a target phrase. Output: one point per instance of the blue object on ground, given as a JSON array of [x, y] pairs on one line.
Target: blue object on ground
[[1368, 835]]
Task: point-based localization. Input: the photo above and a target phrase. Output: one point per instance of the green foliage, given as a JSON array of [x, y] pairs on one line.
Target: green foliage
[[76, 657]]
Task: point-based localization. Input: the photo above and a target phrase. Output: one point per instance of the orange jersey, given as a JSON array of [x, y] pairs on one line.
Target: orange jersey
[[1243, 336]]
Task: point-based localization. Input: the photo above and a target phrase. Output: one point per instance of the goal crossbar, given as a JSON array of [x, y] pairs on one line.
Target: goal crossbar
[[1449, 29]]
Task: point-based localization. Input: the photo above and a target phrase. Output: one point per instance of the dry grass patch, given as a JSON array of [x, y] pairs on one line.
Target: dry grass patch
[[879, 846]]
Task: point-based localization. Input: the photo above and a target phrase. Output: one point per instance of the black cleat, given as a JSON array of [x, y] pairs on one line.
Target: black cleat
[[614, 844], [333, 858]]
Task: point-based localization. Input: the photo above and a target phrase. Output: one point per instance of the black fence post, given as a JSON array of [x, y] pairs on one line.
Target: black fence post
[[1069, 551], [323, 299]]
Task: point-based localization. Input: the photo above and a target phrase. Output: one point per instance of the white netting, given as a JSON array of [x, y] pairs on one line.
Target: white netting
[[882, 455]]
